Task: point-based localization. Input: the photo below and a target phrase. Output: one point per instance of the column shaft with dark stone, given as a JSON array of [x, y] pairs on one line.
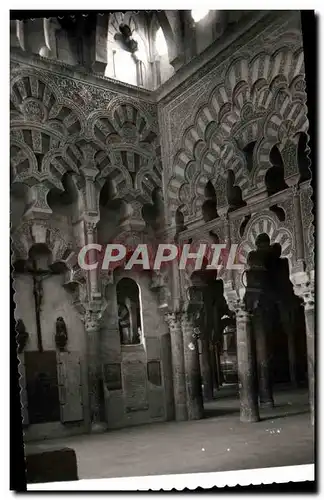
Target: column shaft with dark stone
[[298, 226], [304, 288], [195, 406], [178, 366], [249, 410], [263, 357], [309, 304], [92, 327], [287, 320], [206, 368]]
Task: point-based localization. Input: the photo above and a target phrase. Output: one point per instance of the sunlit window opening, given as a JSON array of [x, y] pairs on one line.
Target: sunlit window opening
[[160, 43], [198, 14]]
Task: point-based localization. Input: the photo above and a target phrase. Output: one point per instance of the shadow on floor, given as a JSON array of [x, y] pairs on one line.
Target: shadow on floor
[[287, 414], [219, 412]]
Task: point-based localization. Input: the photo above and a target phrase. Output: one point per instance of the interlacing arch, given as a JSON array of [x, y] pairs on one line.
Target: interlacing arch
[[261, 102], [44, 125], [51, 136], [33, 233]]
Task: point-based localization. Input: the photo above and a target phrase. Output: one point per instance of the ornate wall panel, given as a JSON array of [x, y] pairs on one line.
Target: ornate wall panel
[[59, 123], [254, 96], [308, 224]]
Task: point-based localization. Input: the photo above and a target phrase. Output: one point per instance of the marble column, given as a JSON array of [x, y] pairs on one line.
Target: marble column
[[214, 368], [298, 225], [304, 288], [178, 367], [309, 305], [206, 368], [195, 406], [260, 323], [92, 327], [287, 320], [249, 410]]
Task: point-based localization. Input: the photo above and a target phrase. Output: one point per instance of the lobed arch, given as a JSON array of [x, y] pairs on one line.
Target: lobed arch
[[40, 233], [265, 223], [249, 105], [36, 97], [130, 314]]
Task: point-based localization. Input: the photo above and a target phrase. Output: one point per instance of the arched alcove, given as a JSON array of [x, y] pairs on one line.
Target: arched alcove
[[280, 213], [67, 202], [244, 224], [127, 48], [276, 312], [248, 153], [234, 193], [153, 213], [113, 211], [159, 40], [179, 220], [209, 207], [275, 176], [18, 203], [129, 311], [303, 159]]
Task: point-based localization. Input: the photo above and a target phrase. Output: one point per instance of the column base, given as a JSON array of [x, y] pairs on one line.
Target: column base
[[247, 419], [181, 414], [312, 418], [266, 404], [98, 427]]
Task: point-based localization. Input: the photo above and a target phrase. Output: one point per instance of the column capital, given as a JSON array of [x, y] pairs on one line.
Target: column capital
[[234, 299], [90, 225], [92, 320], [304, 287], [173, 320]]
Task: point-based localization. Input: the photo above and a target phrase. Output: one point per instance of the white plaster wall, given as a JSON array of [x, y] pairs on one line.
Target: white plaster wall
[[64, 52], [25, 307], [205, 31], [166, 70], [57, 302], [153, 326]]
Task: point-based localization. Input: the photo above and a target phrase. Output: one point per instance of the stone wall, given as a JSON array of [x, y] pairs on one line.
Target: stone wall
[[145, 389]]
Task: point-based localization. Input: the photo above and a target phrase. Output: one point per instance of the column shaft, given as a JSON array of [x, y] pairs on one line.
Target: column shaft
[[299, 236], [94, 373], [263, 358], [249, 410], [206, 369], [178, 367], [310, 325], [195, 406], [93, 273]]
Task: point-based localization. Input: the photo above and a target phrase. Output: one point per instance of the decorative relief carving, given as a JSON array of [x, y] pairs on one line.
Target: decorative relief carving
[[307, 208], [250, 110], [264, 223], [40, 231], [61, 336]]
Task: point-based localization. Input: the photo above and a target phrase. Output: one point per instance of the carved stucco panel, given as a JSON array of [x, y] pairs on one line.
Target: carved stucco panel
[[307, 209]]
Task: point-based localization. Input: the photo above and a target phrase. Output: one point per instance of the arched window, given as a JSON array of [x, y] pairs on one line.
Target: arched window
[[129, 312], [199, 14], [160, 43], [159, 54]]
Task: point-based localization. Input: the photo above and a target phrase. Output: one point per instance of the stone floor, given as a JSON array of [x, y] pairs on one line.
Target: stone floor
[[219, 442]]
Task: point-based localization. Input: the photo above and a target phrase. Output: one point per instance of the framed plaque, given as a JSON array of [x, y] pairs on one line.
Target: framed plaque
[[42, 387], [135, 386], [154, 372]]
